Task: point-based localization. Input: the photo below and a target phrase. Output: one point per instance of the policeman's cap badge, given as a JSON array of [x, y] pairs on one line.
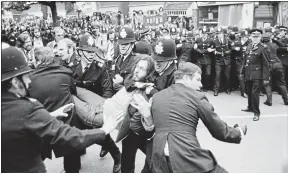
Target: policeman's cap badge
[[123, 33], [173, 29], [90, 41], [159, 48]]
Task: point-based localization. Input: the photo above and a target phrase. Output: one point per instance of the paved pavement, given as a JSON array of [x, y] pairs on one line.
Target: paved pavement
[[263, 150]]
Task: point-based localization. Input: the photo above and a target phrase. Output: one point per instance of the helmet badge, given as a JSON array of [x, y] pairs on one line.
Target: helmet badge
[[159, 48], [90, 41], [123, 34]]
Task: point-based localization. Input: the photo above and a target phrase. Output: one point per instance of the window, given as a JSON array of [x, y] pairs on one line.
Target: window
[[204, 14]]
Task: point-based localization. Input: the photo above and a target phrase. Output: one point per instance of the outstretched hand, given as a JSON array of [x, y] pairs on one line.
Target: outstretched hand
[[62, 111]]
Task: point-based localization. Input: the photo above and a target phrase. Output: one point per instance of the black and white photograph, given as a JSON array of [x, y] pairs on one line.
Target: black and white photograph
[[144, 86]]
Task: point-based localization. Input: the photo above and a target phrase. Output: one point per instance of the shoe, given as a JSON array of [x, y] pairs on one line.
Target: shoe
[[268, 103], [256, 117], [244, 95], [247, 110], [103, 152], [215, 93], [117, 168], [117, 164], [228, 92], [286, 103]]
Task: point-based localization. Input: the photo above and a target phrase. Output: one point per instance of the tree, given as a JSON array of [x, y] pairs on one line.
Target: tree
[[24, 5]]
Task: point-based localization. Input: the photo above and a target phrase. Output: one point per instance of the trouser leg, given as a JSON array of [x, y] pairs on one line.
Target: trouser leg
[[129, 150], [256, 89], [72, 162], [147, 167], [280, 82], [208, 74], [114, 151], [249, 85], [227, 76], [218, 69]]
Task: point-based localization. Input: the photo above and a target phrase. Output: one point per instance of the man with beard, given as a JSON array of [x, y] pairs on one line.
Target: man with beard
[[89, 75], [124, 62], [24, 42], [26, 124], [256, 71]]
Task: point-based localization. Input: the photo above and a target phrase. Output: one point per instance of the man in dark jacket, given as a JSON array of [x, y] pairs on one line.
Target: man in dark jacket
[[282, 52], [276, 70], [89, 75], [123, 64], [175, 112], [223, 61], [256, 71], [52, 86], [203, 48], [25, 122]]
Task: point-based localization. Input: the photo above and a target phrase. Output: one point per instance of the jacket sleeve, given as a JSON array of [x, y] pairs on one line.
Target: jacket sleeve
[[106, 85], [217, 128], [63, 138], [265, 63]]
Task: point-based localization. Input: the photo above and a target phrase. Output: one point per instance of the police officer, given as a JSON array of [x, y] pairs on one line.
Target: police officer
[[164, 54], [276, 70], [256, 71], [204, 48], [123, 64], [92, 74], [238, 46], [282, 42], [143, 46], [223, 61], [25, 122]]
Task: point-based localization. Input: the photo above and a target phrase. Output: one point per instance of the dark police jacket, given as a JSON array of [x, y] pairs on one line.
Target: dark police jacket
[[223, 54], [282, 50], [203, 56], [25, 123], [275, 62], [176, 122], [165, 80], [96, 79], [256, 62]]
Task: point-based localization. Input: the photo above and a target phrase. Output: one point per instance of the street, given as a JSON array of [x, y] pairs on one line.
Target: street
[[263, 149]]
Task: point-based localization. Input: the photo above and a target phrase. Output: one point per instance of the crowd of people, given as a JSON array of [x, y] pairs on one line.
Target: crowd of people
[[66, 88]]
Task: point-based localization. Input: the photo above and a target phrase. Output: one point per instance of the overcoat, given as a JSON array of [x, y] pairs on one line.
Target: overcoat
[[176, 112]]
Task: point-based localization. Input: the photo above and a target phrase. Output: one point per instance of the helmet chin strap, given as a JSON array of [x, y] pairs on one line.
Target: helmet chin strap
[[26, 89]]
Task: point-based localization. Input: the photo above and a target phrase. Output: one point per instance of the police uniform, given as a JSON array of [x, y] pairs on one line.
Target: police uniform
[[276, 71], [283, 54], [223, 62], [120, 65], [204, 58], [256, 70], [25, 123], [96, 79], [238, 53]]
